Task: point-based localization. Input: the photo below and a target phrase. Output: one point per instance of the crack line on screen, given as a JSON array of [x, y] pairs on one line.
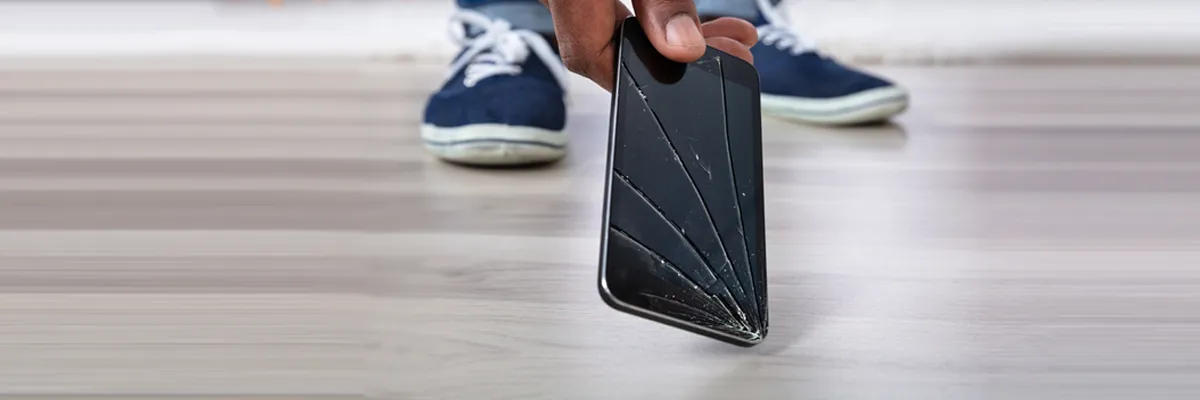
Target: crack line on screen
[[741, 325], [736, 310], [737, 204]]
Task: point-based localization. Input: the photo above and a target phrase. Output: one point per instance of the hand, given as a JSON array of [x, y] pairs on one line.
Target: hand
[[586, 28]]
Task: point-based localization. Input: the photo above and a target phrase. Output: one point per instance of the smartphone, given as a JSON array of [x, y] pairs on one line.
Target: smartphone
[[683, 213]]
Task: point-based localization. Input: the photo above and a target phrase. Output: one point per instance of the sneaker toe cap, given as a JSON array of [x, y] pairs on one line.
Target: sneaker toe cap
[[866, 82], [504, 100]]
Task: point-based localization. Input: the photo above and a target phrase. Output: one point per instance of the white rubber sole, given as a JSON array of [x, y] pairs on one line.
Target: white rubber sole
[[869, 106], [494, 144]]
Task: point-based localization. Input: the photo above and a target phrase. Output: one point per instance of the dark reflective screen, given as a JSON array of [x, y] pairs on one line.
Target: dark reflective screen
[[684, 235]]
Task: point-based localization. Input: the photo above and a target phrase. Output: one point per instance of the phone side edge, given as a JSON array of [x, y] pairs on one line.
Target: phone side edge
[[762, 212], [601, 281]]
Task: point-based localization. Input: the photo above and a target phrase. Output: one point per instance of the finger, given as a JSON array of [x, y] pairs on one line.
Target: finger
[[733, 47], [672, 26], [733, 28], [585, 31]]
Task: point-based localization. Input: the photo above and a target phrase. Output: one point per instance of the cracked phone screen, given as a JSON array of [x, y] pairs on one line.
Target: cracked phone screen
[[684, 235]]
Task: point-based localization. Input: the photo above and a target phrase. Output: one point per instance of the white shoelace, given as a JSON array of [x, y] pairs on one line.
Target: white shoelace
[[778, 31], [499, 49]]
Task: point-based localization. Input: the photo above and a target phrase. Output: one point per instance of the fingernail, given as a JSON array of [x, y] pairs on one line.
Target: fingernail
[[683, 31]]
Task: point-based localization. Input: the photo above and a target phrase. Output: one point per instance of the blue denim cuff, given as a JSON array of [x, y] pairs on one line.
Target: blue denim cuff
[[529, 15], [744, 9]]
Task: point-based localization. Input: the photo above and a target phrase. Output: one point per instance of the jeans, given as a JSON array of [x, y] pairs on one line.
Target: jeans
[[529, 14]]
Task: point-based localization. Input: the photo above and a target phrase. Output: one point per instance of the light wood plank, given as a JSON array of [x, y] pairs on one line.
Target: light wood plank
[[232, 232]]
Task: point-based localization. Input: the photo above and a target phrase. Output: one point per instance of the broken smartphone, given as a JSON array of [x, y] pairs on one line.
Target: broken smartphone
[[683, 217]]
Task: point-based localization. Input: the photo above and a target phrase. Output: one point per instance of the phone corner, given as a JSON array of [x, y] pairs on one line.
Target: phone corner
[[603, 291], [757, 339]]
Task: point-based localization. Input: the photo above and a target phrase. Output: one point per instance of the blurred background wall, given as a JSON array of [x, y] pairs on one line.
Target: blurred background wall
[[890, 31]]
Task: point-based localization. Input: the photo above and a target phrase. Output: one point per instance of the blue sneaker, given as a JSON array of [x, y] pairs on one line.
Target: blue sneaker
[[800, 83], [503, 102]]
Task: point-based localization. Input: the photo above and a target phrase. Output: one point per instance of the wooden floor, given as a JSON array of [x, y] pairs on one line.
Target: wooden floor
[[213, 230]]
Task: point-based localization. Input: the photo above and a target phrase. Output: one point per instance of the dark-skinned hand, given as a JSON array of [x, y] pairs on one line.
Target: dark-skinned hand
[[586, 28]]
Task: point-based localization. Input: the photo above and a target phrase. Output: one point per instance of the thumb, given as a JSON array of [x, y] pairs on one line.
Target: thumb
[[673, 27]]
